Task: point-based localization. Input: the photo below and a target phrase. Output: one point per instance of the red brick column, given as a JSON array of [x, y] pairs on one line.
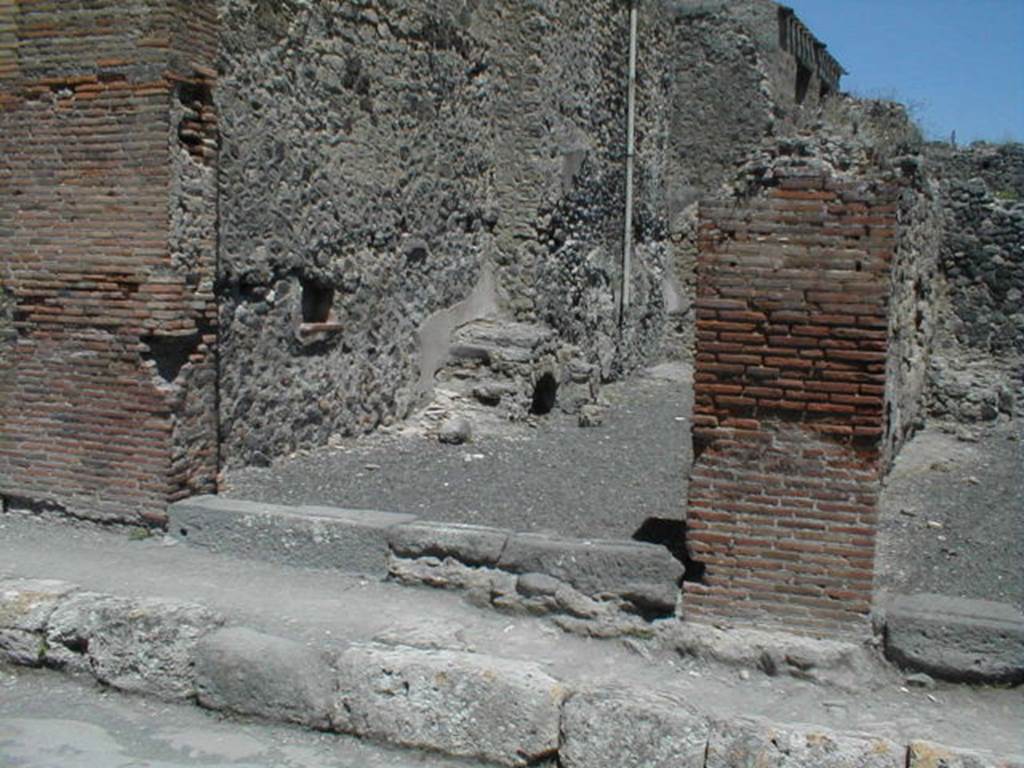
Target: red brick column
[[792, 328], [111, 389]]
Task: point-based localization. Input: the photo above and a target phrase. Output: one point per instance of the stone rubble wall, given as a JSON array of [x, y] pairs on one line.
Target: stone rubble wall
[[976, 376], [460, 703], [401, 159], [445, 163]]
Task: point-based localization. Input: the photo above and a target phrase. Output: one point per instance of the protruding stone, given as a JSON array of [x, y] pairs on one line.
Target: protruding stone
[[925, 754], [592, 567], [25, 607], [142, 645], [455, 431], [618, 729], [591, 415], [746, 742], [243, 671], [463, 704], [470, 544], [956, 638]]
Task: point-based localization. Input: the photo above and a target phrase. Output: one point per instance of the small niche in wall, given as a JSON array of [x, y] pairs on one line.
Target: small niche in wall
[[317, 308], [545, 394]]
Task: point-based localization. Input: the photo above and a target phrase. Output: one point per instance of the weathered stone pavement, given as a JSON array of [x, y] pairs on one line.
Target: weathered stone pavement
[[421, 668], [49, 720]]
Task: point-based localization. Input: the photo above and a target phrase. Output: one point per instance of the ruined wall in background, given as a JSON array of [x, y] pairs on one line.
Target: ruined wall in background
[[108, 328], [733, 72], [977, 373], [386, 161]]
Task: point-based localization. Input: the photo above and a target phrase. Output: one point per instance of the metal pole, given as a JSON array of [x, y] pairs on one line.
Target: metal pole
[[627, 239]]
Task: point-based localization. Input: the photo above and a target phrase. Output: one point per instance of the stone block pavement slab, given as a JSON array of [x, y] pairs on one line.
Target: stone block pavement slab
[[499, 687], [958, 639]]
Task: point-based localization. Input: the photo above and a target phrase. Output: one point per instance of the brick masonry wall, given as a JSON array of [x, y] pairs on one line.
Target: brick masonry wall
[[792, 329], [112, 323]]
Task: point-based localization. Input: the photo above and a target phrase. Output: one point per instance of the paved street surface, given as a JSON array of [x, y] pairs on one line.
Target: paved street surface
[[50, 721], [328, 610]]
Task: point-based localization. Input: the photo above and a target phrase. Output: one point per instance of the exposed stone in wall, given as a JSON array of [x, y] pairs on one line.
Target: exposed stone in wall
[[86, 414], [977, 371], [912, 315], [391, 157], [8, 336], [983, 256], [516, 369], [192, 243]]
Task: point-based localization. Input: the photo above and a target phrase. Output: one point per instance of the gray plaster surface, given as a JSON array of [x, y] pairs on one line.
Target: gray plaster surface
[[952, 516], [48, 720], [553, 476], [327, 610]]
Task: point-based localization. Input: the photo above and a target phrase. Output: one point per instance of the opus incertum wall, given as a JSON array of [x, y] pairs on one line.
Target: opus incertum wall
[[790, 414], [375, 164], [107, 404]]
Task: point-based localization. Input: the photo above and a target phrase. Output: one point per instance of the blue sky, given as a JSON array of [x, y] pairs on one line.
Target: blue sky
[[958, 64]]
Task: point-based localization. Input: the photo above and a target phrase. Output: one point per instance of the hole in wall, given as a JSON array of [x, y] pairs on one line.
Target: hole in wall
[[79, 645], [193, 93], [317, 302], [545, 392], [803, 82], [170, 353], [671, 534]]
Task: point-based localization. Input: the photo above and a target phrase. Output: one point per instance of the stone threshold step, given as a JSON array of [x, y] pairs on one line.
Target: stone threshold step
[[588, 579]]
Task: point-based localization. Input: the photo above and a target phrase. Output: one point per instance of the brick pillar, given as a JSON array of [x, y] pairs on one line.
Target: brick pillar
[[790, 415], [107, 231]]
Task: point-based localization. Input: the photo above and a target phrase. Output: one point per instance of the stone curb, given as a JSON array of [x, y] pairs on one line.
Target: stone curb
[[956, 639], [597, 578], [353, 541], [459, 703]]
